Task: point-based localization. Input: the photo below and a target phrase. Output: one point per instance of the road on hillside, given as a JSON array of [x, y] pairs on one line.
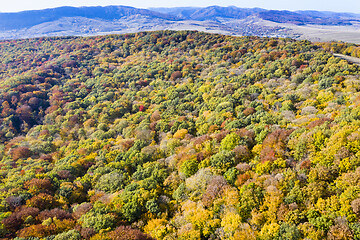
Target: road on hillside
[[348, 58]]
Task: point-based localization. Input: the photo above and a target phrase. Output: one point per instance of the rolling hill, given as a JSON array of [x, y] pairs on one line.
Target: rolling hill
[[231, 20], [10, 21]]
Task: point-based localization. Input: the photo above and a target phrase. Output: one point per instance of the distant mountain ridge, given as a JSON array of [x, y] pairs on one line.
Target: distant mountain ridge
[[296, 17], [210, 13], [9, 21], [122, 19], [301, 18]]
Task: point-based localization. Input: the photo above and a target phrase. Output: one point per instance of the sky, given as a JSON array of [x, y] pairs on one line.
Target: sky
[[322, 5]]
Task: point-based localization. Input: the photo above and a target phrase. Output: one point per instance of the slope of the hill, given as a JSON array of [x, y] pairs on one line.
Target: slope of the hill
[[11, 21], [301, 18], [178, 135], [216, 12]]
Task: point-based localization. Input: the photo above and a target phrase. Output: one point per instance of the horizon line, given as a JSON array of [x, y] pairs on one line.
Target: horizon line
[[150, 8]]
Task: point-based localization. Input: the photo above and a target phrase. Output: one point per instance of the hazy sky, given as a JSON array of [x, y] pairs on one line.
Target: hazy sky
[[330, 5]]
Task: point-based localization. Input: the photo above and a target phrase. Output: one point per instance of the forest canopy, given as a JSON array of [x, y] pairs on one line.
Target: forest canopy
[[178, 135]]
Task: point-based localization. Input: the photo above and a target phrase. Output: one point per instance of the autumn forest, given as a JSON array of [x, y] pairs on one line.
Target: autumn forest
[[178, 135]]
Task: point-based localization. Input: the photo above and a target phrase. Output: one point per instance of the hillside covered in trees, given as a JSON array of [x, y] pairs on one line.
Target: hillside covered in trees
[[178, 135]]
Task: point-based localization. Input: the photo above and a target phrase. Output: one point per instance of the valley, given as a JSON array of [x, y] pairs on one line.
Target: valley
[[91, 21]]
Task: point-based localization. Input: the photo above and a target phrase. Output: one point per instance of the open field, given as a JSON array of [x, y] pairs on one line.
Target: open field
[[319, 33], [68, 21]]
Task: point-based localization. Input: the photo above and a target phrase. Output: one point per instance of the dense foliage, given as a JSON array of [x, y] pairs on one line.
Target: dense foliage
[[341, 47], [178, 135]]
